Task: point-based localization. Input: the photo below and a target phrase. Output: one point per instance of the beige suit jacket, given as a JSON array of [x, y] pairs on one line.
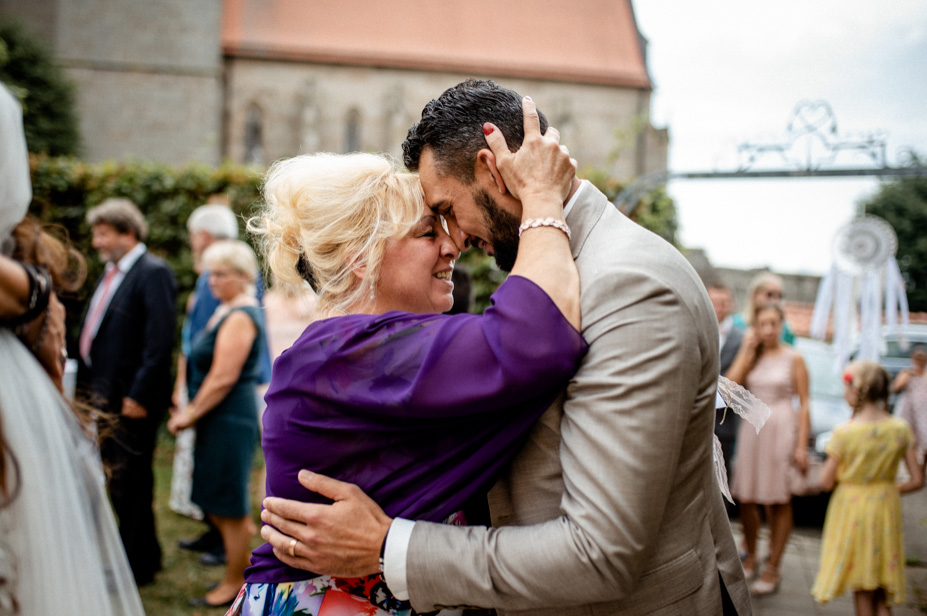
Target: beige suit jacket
[[612, 507]]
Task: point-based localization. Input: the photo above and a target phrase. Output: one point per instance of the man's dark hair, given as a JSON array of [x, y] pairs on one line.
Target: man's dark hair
[[452, 125]]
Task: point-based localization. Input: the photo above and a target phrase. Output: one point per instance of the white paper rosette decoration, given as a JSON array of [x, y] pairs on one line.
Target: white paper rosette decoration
[[863, 244], [863, 280]]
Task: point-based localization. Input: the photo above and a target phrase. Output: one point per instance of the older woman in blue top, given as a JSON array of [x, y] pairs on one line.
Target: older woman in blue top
[[222, 373], [420, 409]]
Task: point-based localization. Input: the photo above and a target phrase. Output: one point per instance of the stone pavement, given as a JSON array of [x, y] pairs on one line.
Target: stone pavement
[[800, 565]]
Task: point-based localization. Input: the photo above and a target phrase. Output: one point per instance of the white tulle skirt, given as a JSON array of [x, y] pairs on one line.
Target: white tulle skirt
[[60, 551]]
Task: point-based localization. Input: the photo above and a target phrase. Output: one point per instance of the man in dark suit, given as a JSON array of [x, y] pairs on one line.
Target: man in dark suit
[[729, 341], [125, 347]]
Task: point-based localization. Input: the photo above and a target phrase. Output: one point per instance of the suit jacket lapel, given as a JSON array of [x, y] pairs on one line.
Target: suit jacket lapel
[[124, 287]]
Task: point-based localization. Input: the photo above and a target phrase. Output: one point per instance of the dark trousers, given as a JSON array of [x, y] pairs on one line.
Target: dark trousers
[[128, 454]]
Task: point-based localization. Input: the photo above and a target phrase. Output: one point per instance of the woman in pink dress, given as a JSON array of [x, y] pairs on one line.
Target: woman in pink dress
[[775, 373], [912, 405]]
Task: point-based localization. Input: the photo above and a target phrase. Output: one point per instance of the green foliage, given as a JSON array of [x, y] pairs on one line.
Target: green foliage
[[46, 95], [64, 188], [486, 277], [626, 137], [903, 203], [655, 211]]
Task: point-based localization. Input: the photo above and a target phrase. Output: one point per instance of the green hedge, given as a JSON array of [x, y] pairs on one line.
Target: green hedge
[[64, 188]]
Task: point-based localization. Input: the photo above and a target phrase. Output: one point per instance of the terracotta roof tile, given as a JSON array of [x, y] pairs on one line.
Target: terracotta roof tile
[[587, 41], [798, 315]]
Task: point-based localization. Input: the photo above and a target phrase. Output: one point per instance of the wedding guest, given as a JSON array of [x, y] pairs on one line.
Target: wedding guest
[[729, 340], [764, 288], [224, 369], [912, 406], [126, 340], [775, 373], [206, 225], [862, 545]]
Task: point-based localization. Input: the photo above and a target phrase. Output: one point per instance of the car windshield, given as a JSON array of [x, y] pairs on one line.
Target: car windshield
[[823, 378], [893, 348]]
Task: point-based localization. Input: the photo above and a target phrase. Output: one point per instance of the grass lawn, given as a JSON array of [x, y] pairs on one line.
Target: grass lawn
[[182, 577]]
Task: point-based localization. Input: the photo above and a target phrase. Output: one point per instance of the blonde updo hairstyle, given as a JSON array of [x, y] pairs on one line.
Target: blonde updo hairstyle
[[237, 256], [329, 215], [871, 382]]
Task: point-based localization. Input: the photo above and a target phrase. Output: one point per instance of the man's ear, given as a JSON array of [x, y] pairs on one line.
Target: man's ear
[[486, 165]]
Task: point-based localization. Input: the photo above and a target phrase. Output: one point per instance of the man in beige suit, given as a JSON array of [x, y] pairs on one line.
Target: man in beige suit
[[612, 507]]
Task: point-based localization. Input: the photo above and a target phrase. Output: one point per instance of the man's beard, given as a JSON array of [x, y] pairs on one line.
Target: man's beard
[[503, 229]]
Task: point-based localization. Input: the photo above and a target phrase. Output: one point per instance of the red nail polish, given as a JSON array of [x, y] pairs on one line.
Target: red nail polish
[[487, 129]]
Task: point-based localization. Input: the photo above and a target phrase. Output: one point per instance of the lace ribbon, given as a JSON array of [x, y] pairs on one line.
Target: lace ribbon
[[736, 398]]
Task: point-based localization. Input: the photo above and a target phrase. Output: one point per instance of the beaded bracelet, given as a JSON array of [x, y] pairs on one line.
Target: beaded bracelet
[[534, 223], [40, 288]]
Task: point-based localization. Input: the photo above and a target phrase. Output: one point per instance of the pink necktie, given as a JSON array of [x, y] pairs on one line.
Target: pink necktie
[[93, 321]]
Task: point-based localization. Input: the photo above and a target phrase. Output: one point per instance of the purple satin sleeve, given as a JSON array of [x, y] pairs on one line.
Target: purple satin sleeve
[[421, 411]]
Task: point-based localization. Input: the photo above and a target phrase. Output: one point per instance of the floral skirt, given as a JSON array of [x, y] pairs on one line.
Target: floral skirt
[[326, 595], [862, 546], [320, 596]]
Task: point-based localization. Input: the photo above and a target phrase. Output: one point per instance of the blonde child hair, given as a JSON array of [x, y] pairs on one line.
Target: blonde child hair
[[871, 382]]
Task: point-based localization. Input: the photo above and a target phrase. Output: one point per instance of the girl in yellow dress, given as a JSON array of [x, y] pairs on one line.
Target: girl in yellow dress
[[863, 548]]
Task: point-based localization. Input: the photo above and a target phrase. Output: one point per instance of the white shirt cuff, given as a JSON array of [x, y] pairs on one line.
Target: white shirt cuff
[[394, 557]]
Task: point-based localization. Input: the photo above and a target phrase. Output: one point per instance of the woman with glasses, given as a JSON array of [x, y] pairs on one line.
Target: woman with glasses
[[765, 288]]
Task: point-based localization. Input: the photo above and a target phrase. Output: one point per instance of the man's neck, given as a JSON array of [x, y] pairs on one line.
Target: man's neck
[[129, 257]]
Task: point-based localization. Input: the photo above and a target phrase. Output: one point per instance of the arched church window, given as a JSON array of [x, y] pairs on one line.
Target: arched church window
[[352, 131], [254, 136]]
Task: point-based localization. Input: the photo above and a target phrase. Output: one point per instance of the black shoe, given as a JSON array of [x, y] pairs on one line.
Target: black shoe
[[207, 542], [145, 580], [215, 558], [146, 577]]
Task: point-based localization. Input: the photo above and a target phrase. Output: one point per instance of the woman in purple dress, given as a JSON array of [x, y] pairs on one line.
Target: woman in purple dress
[[420, 409]]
